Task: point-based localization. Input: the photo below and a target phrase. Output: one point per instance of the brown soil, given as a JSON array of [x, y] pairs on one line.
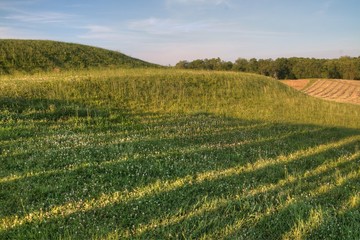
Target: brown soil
[[335, 90]]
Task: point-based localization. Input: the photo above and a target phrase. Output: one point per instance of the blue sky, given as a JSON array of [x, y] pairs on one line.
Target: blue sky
[[167, 31]]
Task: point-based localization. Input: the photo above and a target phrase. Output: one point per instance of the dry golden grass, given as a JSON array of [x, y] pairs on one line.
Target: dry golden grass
[[347, 91], [298, 84]]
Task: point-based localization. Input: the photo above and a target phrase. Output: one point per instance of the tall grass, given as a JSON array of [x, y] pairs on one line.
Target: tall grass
[[245, 96], [170, 154]]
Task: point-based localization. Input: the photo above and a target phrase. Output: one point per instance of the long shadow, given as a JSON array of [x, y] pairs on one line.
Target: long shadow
[[27, 121], [47, 109], [241, 207], [343, 225], [128, 174], [180, 163], [338, 223], [332, 227], [305, 198], [235, 136], [140, 144], [161, 148], [185, 198]]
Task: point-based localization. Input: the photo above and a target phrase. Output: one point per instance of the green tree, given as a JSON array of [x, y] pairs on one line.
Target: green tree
[[266, 67], [348, 67], [332, 69], [227, 66], [182, 64], [282, 69], [241, 65], [253, 65]]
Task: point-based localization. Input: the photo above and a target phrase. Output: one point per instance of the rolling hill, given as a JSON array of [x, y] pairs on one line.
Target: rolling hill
[[30, 56], [174, 154]]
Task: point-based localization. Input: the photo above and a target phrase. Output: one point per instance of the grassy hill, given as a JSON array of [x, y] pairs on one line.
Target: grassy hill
[[164, 153], [30, 56]]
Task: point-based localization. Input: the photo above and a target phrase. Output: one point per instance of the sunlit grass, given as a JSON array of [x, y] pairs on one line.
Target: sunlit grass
[[158, 154]]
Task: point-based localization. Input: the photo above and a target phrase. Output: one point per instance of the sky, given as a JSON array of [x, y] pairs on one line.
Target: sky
[[167, 31]]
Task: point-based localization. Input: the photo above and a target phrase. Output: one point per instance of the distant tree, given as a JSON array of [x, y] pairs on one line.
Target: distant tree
[[282, 69], [197, 64], [332, 69], [253, 65], [348, 67], [266, 67], [357, 63], [241, 65], [182, 64], [212, 64], [227, 66]]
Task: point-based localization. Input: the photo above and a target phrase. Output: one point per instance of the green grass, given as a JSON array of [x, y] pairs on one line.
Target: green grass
[[33, 56], [163, 154]]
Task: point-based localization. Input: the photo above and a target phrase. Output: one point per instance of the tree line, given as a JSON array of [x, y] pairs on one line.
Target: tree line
[[284, 68]]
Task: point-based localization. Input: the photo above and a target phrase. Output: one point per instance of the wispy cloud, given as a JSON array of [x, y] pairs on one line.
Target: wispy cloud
[[166, 26], [5, 32], [39, 17], [193, 2], [9, 3], [324, 8], [99, 32], [18, 11], [98, 29], [10, 32], [16, 5], [212, 28]]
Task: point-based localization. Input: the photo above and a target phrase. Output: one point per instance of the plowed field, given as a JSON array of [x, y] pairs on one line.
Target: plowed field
[[336, 90]]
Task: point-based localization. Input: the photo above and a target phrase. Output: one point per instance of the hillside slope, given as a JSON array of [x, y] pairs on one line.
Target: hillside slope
[[347, 91], [164, 153], [29, 56], [245, 96]]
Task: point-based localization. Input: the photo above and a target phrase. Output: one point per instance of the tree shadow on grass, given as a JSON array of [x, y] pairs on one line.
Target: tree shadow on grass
[[249, 208], [25, 122], [212, 146], [115, 161], [296, 219], [340, 224], [47, 109], [161, 148], [174, 203], [127, 166]]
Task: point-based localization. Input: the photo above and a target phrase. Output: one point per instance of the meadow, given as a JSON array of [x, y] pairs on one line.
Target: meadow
[[174, 154]]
